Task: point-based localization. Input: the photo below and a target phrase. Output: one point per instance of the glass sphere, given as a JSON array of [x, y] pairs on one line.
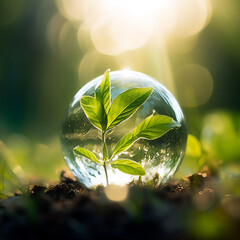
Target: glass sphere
[[160, 158]]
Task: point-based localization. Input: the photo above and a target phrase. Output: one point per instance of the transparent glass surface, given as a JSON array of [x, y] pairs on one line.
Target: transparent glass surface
[[160, 158]]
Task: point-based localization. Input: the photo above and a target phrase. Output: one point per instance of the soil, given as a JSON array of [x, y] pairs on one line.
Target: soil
[[180, 209]]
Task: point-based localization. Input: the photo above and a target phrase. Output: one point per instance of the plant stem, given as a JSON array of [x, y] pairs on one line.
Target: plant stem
[[105, 169], [105, 155]]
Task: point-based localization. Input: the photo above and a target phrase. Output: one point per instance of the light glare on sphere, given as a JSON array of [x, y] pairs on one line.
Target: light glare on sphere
[[160, 157]]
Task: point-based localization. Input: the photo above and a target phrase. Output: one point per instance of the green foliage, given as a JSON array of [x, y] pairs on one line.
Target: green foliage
[[8, 179], [105, 116], [220, 139], [151, 128], [105, 92], [220, 136], [126, 104], [25, 162], [94, 111], [193, 159], [86, 153], [193, 146], [128, 166]]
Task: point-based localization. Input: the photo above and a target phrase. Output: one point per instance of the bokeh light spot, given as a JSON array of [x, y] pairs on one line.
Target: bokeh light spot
[[194, 85], [119, 26], [115, 35], [116, 193], [191, 16], [72, 9]]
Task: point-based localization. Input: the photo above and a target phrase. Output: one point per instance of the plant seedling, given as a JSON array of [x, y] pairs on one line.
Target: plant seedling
[[104, 115]]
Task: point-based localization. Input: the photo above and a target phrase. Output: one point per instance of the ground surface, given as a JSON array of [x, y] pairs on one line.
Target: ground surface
[[181, 209]]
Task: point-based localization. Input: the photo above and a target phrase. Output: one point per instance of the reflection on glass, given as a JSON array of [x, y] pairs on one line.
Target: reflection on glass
[[159, 157]]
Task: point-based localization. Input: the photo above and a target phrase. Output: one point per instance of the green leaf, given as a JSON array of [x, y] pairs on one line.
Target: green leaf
[[151, 128], [94, 111], [126, 103], [105, 92], [154, 127], [128, 166], [124, 143], [193, 147], [86, 153]]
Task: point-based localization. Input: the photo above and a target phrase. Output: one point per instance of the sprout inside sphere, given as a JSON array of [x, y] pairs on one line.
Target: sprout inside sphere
[[160, 157]]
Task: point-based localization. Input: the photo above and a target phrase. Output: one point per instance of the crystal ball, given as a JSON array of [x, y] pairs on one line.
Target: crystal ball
[[160, 157]]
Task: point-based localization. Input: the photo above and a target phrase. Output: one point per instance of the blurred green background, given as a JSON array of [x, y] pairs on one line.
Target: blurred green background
[[50, 49]]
